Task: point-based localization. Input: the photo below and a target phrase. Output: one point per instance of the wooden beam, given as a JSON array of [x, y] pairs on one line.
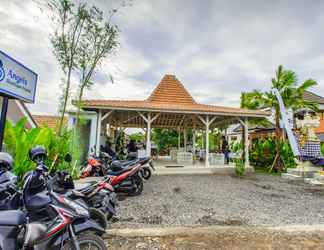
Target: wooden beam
[[106, 115]]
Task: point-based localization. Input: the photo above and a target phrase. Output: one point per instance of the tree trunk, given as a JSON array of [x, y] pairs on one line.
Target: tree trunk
[[66, 94], [277, 163], [79, 106]]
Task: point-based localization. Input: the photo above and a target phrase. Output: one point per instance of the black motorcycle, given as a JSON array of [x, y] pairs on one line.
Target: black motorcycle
[[113, 165], [69, 228], [10, 196], [54, 221], [99, 196]]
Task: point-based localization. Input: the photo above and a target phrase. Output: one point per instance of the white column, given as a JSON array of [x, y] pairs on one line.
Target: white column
[[246, 142], [148, 135], [207, 123], [185, 139], [93, 133], [207, 142], [194, 140], [202, 139], [148, 121], [98, 131], [179, 138], [194, 144]]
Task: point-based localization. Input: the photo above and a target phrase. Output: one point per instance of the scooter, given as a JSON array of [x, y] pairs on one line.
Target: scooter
[[128, 180], [106, 164], [70, 228], [147, 164], [11, 197], [57, 222], [97, 194]]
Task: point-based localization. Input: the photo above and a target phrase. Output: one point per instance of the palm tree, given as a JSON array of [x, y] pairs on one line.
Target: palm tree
[[292, 94]]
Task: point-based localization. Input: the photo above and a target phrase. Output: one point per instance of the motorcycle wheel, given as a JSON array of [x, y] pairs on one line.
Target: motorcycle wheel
[[139, 186], [98, 216], [146, 173], [87, 241]]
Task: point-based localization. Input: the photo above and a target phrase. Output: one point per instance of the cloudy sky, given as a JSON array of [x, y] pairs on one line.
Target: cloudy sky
[[217, 48]]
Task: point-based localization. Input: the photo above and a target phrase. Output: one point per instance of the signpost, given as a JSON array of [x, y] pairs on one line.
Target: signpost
[[16, 82]]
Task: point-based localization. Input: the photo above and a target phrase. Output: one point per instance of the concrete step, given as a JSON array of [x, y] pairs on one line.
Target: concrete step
[[306, 173], [313, 181], [199, 170], [180, 171], [292, 177], [319, 177]]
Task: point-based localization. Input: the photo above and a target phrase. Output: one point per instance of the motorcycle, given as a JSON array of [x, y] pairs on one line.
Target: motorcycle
[[57, 222], [117, 165], [96, 194], [127, 180], [12, 198], [102, 164], [70, 228]]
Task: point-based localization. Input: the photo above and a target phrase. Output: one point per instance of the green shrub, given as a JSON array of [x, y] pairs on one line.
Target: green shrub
[[263, 152], [322, 148], [236, 147], [239, 167], [18, 140]]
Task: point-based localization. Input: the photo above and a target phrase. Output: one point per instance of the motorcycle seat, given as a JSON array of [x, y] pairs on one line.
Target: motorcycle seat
[[12, 218], [119, 165], [78, 193], [86, 188], [119, 172], [37, 201]]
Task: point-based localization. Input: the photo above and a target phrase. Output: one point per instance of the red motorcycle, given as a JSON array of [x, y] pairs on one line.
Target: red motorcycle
[[128, 180], [94, 167], [105, 164]]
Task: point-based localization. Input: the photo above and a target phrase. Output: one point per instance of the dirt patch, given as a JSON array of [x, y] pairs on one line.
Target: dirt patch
[[315, 191], [249, 177], [209, 220], [227, 238], [122, 219], [263, 186], [154, 219], [274, 195]]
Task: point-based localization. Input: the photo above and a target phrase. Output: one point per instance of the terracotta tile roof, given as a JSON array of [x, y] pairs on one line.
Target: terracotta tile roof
[[169, 95], [311, 97], [143, 105], [171, 90], [50, 121]]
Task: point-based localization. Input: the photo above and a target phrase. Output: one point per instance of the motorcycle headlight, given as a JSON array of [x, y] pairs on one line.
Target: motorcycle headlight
[[79, 209]]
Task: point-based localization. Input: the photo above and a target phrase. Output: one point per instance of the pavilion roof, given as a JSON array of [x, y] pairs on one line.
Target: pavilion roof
[[170, 96]]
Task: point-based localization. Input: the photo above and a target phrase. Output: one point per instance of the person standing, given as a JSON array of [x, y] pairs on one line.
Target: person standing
[[107, 149], [225, 150]]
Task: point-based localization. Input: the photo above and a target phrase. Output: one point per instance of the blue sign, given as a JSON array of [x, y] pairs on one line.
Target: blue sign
[[16, 80]]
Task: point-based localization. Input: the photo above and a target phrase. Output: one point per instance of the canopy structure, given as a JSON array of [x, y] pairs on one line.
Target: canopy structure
[[170, 105]]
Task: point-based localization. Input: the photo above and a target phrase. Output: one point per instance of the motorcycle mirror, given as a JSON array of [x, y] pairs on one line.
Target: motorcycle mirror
[[68, 158]]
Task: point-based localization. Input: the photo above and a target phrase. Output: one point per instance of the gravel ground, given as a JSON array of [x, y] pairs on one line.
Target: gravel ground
[[256, 199]]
